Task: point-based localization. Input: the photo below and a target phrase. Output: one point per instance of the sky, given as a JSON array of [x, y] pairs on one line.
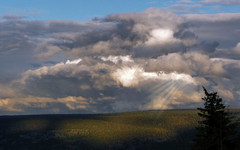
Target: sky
[[116, 56], [86, 10]]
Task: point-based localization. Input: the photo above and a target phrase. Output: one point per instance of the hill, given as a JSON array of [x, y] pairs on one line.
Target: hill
[[169, 129]]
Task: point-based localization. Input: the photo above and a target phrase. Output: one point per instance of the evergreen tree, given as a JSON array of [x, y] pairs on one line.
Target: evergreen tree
[[217, 126]]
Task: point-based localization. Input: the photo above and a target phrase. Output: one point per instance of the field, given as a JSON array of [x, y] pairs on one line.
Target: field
[[170, 129]]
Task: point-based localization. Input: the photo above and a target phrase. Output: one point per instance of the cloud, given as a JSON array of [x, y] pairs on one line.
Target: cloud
[[76, 61], [222, 2], [14, 17], [236, 49], [226, 94], [186, 7], [152, 2], [133, 76], [117, 59], [49, 51], [221, 17], [185, 1], [74, 103], [220, 28], [175, 100], [154, 59], [100, 83], [22, 104]]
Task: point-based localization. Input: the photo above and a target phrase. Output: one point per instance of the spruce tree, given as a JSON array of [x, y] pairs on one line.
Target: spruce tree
[[217, 126]]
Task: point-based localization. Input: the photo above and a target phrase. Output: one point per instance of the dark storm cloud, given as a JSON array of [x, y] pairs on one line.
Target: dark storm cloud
[[222, 28], [21, 40], [90, 80], [131, 35], [185, 35], [154, 51], [206, 47], [149, 60]]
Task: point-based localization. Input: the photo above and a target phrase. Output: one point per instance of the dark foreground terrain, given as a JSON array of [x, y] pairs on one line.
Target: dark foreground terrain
[[167, 130]]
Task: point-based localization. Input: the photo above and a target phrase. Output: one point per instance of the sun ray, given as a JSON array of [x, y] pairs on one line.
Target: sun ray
[[162, 90], [173, 91], [161, 85], [162, 96], [168, 92]]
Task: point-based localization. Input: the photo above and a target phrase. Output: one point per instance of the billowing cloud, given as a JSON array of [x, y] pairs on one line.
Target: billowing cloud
[[236, 49], [149, 60], [132, 76]]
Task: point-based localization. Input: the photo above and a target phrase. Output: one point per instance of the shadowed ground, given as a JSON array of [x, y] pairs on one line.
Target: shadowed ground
[[171, 129]]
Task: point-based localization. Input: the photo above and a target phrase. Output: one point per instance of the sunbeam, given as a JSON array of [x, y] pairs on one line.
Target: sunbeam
[[162, 96], [161, 86]]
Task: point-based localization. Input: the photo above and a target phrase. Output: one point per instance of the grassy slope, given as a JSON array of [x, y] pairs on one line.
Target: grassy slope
[[171, 129]]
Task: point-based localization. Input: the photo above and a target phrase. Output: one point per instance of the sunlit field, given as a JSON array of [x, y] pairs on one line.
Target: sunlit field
[[170, 129]]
